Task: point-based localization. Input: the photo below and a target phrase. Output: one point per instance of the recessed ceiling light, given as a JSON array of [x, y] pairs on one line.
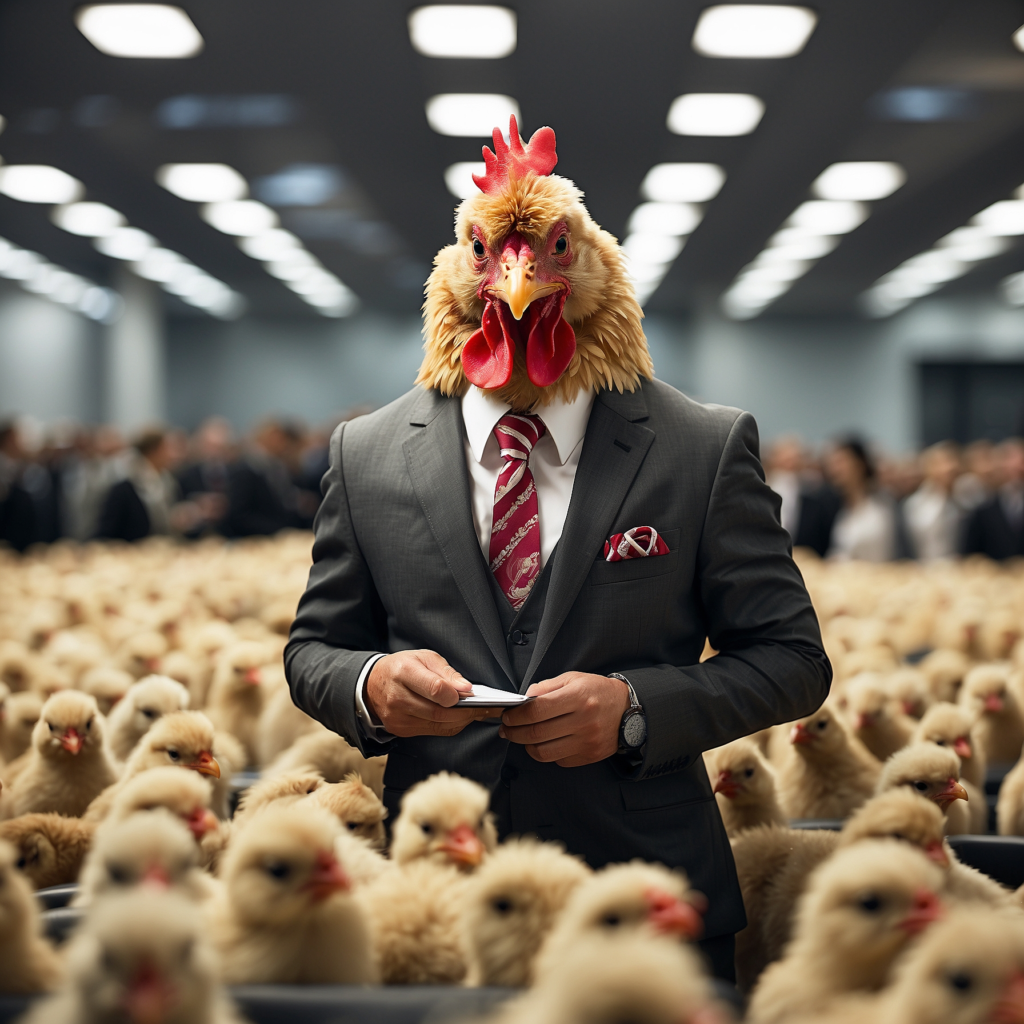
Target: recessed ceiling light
[[859, 179], [20, 264], [1013, 289], [202, 183], [39, 183], [1018, 38], [804, 247], [470, 114], [828, 216], [648, 248], [459, 178], [92, 220], [159, 265], [292, 266], [125, 244], [270, 245], [139, 30], [971, 249], [184, 278], [240, 217], [665, 218], [753, 30], [715, 113], [449, 30], [1002, 218], [682, 183]]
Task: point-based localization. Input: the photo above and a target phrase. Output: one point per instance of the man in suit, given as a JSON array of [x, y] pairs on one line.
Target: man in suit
[[141, 503], [477, 530], [996, 527]]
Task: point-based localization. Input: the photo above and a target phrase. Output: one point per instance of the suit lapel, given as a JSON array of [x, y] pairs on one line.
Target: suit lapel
[[435, 456], [614, 447]]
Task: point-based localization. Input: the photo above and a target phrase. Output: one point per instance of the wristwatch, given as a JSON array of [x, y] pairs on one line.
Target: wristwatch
[[633, 728]]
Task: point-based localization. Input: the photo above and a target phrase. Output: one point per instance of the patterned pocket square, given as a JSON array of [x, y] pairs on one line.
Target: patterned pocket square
[[640, 542]]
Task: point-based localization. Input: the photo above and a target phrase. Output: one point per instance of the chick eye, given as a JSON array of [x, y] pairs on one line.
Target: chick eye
[[118, 875], [148, 713], [749, 773], [478, 248], [872, 904], [22, 863], [896, 835], [50, 726], [823, 723], [88, 725], [173, 754], [427, 828], [561, 246], [502, 905], [278, 870], [611, 920], [351, 825], [961, 981], [940, 743], [921, 786]]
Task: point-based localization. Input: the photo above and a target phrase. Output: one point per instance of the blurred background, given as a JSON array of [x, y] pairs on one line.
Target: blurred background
[[216, 221]]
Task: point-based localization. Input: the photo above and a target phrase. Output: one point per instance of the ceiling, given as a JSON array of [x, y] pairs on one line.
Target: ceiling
[[338, 83]]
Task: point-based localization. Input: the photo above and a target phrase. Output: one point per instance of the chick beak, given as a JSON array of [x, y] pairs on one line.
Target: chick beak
[[464, 846], [926, 910], [953, 791], [205, 764], [518, 289], [671, 916], [961, 747], [726, 784], [800, 735], [156, 876], [865, 720], [1009, 1009], [327, 877], [993, 702], [252, 676], [72, 741], [152, 664], [148, 998], [909, 707], [201, 821], [936, 852]]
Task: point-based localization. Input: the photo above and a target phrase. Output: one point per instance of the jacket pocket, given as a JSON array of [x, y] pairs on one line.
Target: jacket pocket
[[685, 787], [630, 569]]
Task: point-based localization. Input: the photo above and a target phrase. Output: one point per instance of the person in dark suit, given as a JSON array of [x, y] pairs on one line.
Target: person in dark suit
[[996, 527], [545, 518], [141, 503], [17, 510]]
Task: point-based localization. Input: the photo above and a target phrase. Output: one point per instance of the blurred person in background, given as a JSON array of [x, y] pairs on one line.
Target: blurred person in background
[[980, 479], [17, 511], [203, 480], [143, 502], [809, 506], [996, 527], [932, 517], [865, 527], [103, 458]]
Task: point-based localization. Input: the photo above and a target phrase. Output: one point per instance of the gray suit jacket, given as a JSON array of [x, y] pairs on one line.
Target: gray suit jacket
[[397, 566]]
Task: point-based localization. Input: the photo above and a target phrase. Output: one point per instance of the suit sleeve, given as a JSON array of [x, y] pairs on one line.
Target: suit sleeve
[[771, 666], [340, 623]]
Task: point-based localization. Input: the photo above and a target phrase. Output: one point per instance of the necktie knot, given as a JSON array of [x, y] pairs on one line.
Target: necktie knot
[[517, 433]]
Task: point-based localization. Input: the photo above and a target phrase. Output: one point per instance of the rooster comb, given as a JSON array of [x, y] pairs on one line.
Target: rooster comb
[[514, 159]]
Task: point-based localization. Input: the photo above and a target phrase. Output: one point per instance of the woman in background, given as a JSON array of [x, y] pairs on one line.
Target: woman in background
[[865, 528]]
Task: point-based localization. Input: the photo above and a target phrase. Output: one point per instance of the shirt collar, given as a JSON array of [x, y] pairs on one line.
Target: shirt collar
[[566, 422]]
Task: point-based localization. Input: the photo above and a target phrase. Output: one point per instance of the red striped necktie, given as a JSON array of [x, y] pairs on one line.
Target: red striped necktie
[[515, 525]]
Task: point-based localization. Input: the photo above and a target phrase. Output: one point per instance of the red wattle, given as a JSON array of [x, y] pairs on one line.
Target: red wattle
[[487, 354], [551, 343]]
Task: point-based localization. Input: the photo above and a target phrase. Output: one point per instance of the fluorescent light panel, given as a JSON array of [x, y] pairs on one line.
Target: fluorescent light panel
[[240, 217], [470, 114], [449, 30], [459, 178], [39, 183], [682, 183], [91, 220], [753, 30], [139, 30], [859, 180], [715, 113], [202, 183]]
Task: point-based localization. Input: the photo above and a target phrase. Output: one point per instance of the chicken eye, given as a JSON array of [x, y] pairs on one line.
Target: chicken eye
[[88, 725], [279, 870], [871, 903], [50, 725], [22, 863], [351, 825], [921, 786], [148, 713], [427, 828], [478, 248], [561, 246], [749, 773], [118, 875], [940, 743], [611, 920], [961, 981], [173, 754], [502, 905], [823, 723]]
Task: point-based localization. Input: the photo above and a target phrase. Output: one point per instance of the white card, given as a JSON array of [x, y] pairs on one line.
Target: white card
[[490, 697]]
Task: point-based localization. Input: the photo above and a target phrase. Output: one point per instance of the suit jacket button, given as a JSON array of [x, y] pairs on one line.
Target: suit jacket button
[[518, 637]]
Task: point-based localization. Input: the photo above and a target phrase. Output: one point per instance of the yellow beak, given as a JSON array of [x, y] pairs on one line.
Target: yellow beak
[[519, 290]]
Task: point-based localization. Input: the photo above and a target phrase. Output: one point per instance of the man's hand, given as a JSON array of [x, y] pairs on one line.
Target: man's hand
[[413, 693], [574, 720]]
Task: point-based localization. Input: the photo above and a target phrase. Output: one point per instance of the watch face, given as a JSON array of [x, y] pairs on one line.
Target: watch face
[[634, 730]]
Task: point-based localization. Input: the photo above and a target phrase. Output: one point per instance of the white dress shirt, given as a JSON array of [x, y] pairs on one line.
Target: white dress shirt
[[553, 462]]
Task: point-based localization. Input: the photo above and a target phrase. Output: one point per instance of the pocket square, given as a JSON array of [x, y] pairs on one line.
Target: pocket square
[[640, 542]]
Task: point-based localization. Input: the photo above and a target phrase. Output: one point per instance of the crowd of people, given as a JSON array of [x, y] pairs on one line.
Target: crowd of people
[[91, 483]]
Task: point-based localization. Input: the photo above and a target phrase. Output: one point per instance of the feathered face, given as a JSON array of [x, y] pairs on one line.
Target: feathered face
[[150, 848], [69, 726], [532, 300], [185, 794], [903, 816], [743, 776], [930, 771], [182, 739]]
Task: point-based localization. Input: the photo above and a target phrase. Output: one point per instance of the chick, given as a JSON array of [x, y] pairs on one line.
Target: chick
[[510, 906], [744, 786], [332, 756], [1010, 804], [945, 668], [281, 724], [287, 788], [27, 962], [21, 712], [140, 957], [181, 666], [444, 819], [153, 848], [987, 694], [231, 756], [950, 725], [107, 684], [876, 723], [932, 772], [51, 848], [140, 654], [286, 913], [827, 773], [860, 910], [910, 689], [236, 696], [17, 666], [356, 806], [70, 762], [149, 699]]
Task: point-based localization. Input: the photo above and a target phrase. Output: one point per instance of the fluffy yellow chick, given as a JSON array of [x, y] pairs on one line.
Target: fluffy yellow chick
[[510, 906], [933, 772], [286, 788], [444, 819], [281, 724], [236, 697], [21, 712], [17, 666], [27, 962], [140, 957], [107, 684], [180, 665], [860, 910], [286, 913], [875, 719], [51, 847], [987, 694], [332, 756], [744, 785], [356, 806], [140, 654], [950, 725], [945, 668], [70, 762], [148, 700], [828, 773], [910, 689]]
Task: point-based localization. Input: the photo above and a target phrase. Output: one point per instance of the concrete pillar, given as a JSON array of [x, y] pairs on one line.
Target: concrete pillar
[[136, 372]]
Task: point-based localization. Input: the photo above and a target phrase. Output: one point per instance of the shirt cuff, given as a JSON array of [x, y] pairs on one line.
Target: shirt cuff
[[369, 724]]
